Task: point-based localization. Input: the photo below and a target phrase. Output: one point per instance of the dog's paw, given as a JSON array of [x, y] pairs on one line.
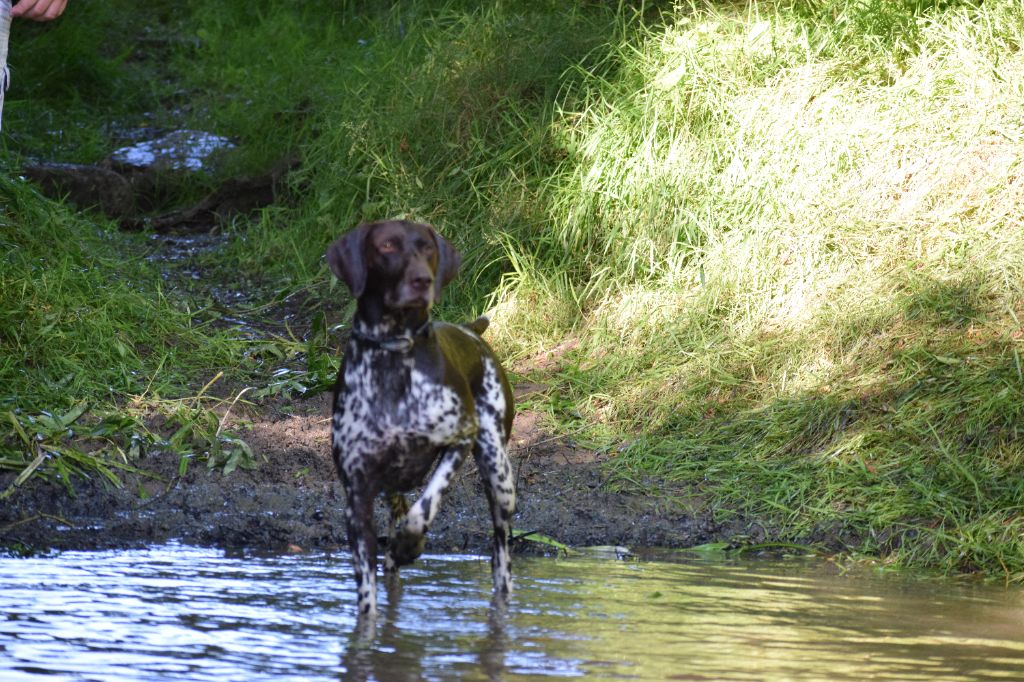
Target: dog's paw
[[404, 548]]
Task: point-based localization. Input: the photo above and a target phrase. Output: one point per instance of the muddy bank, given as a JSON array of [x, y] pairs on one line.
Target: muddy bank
[[293, 500]]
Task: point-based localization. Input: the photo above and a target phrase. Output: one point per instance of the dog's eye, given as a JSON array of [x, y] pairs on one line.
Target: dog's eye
[[388, 246]]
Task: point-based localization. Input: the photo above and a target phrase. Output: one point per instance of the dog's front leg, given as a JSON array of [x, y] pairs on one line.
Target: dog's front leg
[[408, 542], [362, 539]]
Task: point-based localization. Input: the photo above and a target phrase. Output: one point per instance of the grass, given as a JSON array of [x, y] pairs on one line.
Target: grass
[[101, 358], [771, 250], [94, 347], [815, 309], [75, 87]]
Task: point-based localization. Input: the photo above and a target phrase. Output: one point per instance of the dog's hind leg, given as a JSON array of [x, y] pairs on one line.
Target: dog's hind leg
[[496, 471], [408, 542]]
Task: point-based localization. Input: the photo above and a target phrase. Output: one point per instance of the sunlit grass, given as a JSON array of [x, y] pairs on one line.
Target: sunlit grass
[[815, 308]]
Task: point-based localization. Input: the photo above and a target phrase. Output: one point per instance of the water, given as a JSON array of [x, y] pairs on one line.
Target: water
[[181, 150], [185, 613]]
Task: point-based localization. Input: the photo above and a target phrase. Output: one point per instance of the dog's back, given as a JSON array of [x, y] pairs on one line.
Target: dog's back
[[471, 356]]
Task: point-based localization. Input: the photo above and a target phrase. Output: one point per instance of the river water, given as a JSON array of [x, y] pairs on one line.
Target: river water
[[184, 613]]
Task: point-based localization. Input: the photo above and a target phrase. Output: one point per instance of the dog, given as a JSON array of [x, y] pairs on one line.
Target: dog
[[413, 397]]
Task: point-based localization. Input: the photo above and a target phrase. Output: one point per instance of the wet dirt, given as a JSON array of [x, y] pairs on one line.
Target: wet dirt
[[292, 500]]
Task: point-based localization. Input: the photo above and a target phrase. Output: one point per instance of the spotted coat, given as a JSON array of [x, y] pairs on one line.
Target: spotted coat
[[413, 398]]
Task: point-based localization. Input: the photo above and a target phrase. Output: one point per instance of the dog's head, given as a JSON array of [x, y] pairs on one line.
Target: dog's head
[[404, 263]]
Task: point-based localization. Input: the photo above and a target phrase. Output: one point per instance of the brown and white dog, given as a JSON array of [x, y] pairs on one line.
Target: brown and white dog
[[413, 398]]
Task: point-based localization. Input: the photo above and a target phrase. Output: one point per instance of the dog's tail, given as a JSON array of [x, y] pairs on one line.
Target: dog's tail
[[479, 325]]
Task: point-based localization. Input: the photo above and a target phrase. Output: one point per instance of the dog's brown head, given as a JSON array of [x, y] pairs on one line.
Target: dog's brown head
[[406, 264]]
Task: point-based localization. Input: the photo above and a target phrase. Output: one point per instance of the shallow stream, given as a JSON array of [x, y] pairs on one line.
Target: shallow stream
[[184, 613]]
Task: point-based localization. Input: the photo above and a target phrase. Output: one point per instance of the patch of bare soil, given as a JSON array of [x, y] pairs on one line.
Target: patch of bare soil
[[293, 501]]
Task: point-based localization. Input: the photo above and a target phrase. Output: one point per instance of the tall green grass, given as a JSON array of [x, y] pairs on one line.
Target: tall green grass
[[435, 110], [801, 251], [95, 354], [99, 351], [77, 84], [76, 319]]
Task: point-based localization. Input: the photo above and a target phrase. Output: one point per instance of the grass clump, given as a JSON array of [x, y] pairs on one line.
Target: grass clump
[[92, 347], [77, 85], [102, 350], [437, 110]]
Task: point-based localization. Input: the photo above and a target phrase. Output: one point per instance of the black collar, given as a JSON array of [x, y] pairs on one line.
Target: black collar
[[398, 344]]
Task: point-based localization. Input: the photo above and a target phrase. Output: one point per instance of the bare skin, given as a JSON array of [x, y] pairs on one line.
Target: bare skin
[[39, 10]]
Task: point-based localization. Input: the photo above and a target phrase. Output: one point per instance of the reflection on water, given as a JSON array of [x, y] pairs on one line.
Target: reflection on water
[[186, 613]]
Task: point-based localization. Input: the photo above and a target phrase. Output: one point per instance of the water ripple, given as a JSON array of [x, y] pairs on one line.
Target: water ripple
[[186, 613]]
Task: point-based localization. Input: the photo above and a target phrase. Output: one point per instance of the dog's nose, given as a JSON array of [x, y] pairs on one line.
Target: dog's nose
[[421, 283]]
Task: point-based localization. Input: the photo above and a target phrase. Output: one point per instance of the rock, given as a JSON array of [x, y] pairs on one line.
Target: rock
[[85, 186]]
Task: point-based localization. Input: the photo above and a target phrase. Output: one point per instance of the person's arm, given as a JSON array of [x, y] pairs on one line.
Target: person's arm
[[39, 10]]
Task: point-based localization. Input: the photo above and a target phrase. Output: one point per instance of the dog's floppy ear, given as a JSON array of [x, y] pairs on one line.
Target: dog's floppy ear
[[345, 257], [448, 261]]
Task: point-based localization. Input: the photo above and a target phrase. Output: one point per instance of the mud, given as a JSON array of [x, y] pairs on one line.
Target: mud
[[292, 501]]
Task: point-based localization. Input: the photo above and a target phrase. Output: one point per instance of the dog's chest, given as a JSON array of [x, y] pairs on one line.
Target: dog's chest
[[396, 407]]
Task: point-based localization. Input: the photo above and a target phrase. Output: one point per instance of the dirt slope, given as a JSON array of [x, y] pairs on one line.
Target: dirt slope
[[293, 500]]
